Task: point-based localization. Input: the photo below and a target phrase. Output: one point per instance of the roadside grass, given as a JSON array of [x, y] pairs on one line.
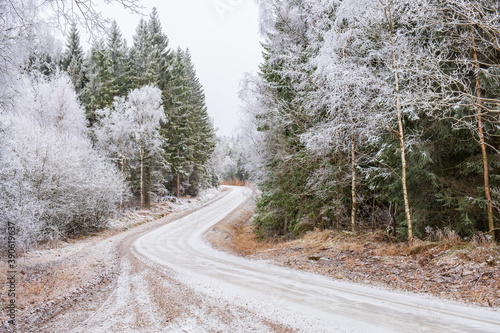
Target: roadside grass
[[233, 182]]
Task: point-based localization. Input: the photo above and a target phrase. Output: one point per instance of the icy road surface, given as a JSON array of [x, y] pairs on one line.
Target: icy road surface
[[302, 301]]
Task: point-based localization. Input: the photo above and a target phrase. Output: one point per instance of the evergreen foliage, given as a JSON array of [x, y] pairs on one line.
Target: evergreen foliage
[[72, 60], [355, 98], [188, 131]]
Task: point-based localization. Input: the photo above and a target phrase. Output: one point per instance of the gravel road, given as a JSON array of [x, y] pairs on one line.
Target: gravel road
[[170, 280], [305, 302]]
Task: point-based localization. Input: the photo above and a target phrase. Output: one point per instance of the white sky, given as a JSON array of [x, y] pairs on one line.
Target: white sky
[[223, 38]]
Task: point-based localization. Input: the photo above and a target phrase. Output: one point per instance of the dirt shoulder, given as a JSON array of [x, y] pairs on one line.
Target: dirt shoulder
[[450, 269]]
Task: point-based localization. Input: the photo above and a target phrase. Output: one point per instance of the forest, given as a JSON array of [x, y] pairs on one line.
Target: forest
[[84, 134], [364, 115], [377, 114]]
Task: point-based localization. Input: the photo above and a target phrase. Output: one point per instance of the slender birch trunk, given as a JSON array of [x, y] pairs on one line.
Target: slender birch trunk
[[353, 170], [141, 155], [353, 156], [482, 140], [123, 158], [400, 125], [339, 188], [353, 185], [123, 169]]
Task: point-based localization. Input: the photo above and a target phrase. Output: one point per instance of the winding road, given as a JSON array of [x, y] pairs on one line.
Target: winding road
[[295, 300]]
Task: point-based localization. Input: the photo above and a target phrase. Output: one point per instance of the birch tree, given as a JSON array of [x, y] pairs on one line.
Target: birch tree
[[145, 111], [129, 131], [470, 63]]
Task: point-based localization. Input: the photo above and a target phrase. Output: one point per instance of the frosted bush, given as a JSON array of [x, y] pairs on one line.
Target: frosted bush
[[52, 182]]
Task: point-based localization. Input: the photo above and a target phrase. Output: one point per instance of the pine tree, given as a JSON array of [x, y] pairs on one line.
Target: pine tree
[[160, 51], [287, 203], [139, 55], [72, 59], [108, 73], [188, 131]]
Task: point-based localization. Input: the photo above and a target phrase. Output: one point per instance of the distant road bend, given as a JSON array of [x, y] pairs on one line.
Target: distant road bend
[[301, 301]]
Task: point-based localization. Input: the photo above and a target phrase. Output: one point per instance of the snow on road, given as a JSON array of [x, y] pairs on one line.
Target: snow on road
[[303, 301]]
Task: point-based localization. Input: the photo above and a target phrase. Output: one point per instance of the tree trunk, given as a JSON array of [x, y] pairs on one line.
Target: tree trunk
[[123, 170], [123, 159], [339, 189], [147, 179], [178, 186], [482, 141], [353, 170], [400, 125], [141, 182], [353, 155], [353, 167]]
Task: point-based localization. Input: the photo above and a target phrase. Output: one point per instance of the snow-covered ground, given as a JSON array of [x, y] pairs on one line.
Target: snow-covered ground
[[158, 210]]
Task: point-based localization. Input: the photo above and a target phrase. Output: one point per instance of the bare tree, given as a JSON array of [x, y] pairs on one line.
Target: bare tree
[[86, 12]]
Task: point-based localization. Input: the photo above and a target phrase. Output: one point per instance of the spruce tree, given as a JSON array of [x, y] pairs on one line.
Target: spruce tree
[[98, 92], [178, 129], [204, 134], [139, 55], [117, 57], [150, 54], [72, 59]]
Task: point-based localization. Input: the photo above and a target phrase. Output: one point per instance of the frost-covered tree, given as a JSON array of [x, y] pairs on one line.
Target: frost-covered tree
[[52, 102], [229, 159], [464, 50], [380, 95], [283, 118], [145, 110], [25, 44], [129, 133], [53, 182]]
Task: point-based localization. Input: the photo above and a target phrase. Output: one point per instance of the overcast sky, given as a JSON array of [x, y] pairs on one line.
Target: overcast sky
[[223, 38]]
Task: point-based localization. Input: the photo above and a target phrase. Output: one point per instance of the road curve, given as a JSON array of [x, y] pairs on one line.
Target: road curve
[[304, 301]]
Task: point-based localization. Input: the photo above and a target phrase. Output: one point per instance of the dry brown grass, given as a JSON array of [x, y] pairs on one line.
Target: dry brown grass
[[445, 266], [236, 234], [233, 182], [246, 243]]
